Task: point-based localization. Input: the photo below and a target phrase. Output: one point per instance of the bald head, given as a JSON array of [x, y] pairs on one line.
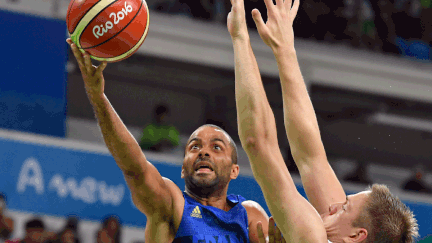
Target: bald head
[[231, 141]]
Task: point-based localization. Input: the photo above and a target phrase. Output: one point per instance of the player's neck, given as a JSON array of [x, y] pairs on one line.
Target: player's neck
[[217, 199]]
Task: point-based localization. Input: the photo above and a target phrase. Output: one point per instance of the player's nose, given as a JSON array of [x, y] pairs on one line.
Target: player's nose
[[204, 152]]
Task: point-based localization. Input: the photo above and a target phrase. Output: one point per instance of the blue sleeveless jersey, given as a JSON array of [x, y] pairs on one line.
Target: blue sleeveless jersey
[[206, 224]]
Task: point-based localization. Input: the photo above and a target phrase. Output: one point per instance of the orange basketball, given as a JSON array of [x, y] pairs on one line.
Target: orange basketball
[[110, 30]]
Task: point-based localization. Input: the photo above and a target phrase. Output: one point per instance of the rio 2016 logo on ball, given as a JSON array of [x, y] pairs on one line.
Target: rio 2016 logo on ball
[[110, 30]]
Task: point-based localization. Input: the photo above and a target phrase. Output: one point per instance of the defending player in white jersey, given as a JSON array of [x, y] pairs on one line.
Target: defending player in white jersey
[[374, 215]]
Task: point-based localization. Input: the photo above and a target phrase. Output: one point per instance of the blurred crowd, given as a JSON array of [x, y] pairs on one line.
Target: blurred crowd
[[416, 182], [36, 230], [392, 26]]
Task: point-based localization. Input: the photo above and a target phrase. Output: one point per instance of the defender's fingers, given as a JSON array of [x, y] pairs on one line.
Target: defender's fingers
[[101, 67], [288, 4], [278, 235], [280, 3], [294, 9], [271, 224], [271, 230], [269, 5], [261, 236], [236, 2], [259, 22]]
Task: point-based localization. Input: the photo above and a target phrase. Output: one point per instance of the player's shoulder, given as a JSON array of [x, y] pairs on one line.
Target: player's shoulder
[[172, 187], [254, 209], [168, 181], [251, 204], [176, 207]]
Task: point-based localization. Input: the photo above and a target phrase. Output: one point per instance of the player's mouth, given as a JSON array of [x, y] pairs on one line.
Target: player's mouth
[[203, 167], [204, 170]]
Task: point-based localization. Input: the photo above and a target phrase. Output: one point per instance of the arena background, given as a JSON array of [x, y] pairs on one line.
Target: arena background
[[373, 105]]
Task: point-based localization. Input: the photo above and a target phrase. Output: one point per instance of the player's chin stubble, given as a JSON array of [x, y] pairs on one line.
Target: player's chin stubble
[[202, 184]]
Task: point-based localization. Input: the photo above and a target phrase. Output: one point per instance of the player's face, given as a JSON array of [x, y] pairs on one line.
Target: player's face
[[338, 221], [207, 162]]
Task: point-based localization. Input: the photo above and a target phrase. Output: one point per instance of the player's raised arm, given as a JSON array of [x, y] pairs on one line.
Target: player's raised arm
[[300, 120], [151, 193], [257, 130]]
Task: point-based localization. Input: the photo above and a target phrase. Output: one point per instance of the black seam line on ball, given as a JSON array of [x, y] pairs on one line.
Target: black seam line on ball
[[81, 16]]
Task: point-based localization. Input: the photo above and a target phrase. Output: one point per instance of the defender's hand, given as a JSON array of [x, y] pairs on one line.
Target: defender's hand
[[236, 20], [278, 31], [275, 235], [92, 75]]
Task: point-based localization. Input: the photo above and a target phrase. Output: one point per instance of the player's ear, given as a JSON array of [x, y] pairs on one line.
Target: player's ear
[[357, 235], [182, 172], [235, 170]]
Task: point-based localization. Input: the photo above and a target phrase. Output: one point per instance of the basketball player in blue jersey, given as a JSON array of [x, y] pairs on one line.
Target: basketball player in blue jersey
[[203, 213], [374, 215]]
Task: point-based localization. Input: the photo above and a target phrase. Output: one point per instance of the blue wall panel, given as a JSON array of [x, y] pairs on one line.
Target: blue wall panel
[[33, 78], [61, 181]]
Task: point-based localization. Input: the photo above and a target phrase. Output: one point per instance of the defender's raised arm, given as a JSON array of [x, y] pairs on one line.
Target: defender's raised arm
[[300, 120], [257, 131]]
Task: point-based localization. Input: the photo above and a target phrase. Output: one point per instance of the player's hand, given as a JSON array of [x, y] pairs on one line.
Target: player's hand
[[92, 75], [278, 31], [275, 236], [236, 20]]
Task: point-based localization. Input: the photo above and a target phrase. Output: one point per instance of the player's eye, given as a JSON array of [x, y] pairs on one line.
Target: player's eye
[[194, 147], [217, 147]]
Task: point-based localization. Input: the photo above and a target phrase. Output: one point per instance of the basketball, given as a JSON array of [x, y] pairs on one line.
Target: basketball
[[110, 30]]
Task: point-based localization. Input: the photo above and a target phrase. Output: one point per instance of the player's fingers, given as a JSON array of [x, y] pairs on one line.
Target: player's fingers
[[261, 236], [259, 22], [101, 67], [271, 230], [278, 236], [78, 55], [294, 9], [88, 63]]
